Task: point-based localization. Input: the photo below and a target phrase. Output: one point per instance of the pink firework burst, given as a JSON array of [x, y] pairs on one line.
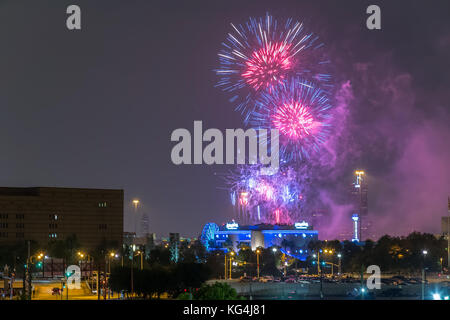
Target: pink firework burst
[[267, 66], [294, 120]]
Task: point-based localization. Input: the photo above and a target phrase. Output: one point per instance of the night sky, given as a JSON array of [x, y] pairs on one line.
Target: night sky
[[95, 108]]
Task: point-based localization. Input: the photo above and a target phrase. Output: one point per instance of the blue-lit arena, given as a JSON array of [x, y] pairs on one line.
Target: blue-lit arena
[[292, 240]]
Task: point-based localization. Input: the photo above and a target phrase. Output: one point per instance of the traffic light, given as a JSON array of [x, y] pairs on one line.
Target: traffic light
[[39, 264]]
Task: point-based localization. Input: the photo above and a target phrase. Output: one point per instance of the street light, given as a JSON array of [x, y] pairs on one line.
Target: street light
[[424, 253], [83, 255], [231, 259], [135, 203], [257, 261], [340, 265], [141, 253]]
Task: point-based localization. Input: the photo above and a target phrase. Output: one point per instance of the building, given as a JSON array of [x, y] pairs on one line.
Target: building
[[129, 238], [292, 240], [44, 214], [144, 225], [360, 199], [174, 246]]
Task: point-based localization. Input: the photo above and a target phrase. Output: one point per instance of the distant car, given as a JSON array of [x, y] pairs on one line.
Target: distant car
[[56, 291], [289, 280]]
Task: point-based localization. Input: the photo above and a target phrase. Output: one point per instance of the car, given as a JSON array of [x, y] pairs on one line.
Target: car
[[56, 291], [289, 280]]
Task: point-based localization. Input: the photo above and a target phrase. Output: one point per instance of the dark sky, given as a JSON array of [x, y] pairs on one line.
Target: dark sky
[[95, 108]]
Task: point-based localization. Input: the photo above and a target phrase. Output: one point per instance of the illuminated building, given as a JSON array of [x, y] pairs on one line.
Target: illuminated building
[[174, 246], [359, 192], [47, 214], [291, 239], [355, 219]]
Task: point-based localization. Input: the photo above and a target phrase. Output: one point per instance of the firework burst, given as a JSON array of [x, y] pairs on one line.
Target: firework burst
[[301, 113], [275, 199], [263, 53]]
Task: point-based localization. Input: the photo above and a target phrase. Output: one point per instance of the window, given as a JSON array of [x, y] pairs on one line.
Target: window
[[3, 225], [52, 225], [102, 204], [20, 216], [20, 225], [3, 234], [53, 235], [53, 217], [3, 216], [102, 226]]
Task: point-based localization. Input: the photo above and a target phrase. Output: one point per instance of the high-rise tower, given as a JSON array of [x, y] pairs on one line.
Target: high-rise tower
[[359, 193]]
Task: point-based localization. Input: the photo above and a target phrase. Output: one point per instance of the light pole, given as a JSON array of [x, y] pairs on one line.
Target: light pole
[[226, 271], [132, 261], [30, 262], [257, 261], [318, 261], [140, 252], [136, 204], [424, 252], [108, 275], [89, 261], [340, 265], [231, 259]]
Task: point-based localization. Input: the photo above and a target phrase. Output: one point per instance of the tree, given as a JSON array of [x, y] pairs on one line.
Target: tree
[[215, 262], [216, 291]]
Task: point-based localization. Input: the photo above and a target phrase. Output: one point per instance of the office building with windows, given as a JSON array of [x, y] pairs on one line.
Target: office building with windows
[[43, 214]]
